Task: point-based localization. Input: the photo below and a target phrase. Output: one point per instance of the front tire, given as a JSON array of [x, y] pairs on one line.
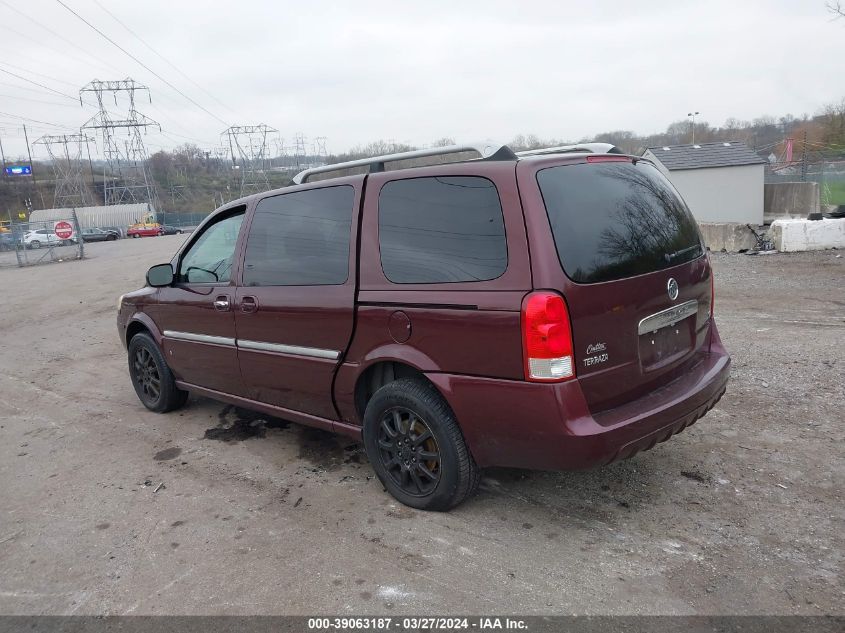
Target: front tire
[[416, 447], [35, 244], [153, 381]]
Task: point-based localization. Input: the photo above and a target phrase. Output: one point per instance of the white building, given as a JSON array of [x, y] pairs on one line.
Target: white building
[[721, 182]]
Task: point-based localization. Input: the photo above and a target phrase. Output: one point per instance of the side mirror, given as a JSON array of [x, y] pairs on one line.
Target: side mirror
[[160, 275]]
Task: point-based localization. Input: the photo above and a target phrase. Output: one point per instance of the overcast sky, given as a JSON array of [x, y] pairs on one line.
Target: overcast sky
[[413, 72]]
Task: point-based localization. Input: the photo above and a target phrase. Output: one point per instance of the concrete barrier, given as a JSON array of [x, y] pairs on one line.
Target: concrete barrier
[[790, 200], [808, 235], [727, 236]]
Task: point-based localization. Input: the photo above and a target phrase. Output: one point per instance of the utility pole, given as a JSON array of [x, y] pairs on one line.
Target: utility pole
[[804, 158], [32, 168], [93, 180], [3, 156], [4, 177]]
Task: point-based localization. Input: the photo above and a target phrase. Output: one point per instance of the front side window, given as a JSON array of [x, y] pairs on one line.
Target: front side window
[[444, 229], [210, 257], [300, 239]]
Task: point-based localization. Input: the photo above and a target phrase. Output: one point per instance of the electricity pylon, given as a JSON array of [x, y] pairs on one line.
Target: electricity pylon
[[249, 150], [126, 178], [67, 153]]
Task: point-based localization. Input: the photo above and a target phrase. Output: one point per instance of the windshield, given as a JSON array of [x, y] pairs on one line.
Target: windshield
[[616, 219]]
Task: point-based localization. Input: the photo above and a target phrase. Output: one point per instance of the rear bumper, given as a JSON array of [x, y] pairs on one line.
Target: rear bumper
[[550, 427]]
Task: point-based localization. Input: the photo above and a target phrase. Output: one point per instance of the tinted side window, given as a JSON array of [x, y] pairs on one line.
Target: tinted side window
[[300, 239], [444, 229], [210, 258]]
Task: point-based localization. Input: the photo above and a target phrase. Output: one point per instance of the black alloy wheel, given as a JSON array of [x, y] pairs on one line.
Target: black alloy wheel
[[147, 375], [416, 447], [409, 452], [153, 381]]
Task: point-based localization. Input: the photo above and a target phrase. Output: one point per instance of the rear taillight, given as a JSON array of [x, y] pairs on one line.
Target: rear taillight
[[547, 338]]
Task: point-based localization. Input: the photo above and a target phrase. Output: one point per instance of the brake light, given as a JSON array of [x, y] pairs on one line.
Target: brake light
[[547, 338]]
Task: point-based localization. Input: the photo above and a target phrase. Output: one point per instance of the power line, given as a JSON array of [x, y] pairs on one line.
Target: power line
[[163, 58], [53, 103], [58, 35], [35, 83], [58, 92], [24, 118], [32, 72], [147, 68], [77, 100]]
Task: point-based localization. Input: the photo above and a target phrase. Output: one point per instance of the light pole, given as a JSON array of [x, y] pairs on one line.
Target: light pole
[[693, 115]]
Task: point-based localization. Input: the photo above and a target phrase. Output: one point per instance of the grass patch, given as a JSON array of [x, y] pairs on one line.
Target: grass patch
[[836, 192]]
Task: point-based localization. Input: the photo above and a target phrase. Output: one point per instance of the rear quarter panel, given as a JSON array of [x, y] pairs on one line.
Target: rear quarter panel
[[468, 328]]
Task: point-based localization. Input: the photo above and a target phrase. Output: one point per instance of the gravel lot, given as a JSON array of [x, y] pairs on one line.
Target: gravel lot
[[742, 513]]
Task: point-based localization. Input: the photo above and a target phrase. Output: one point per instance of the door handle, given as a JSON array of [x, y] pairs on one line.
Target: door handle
[[249, 304], [221, 303]]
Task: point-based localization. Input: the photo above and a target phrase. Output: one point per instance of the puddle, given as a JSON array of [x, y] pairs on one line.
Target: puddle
[[167, 453], [236, 425], [323, 450]]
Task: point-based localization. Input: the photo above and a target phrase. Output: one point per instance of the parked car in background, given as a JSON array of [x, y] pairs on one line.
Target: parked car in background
[[145, 230], [551, 309], [99, 235], [44, 237], [7, 241], [172, 230], [117, 230]]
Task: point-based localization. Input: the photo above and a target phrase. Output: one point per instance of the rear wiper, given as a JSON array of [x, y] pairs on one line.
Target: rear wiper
[[670, 256]]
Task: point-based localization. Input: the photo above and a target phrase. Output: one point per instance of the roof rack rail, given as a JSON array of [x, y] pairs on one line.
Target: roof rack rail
[[593, 148], [488, 150]]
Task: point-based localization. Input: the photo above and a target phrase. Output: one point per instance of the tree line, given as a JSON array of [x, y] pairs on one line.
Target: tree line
[[188, 178]]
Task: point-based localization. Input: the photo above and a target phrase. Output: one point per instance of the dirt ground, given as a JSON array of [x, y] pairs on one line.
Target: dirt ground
[[741, 514]]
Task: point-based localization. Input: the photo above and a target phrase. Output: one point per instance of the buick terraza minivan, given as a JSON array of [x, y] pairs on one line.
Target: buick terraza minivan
[[550, 310]]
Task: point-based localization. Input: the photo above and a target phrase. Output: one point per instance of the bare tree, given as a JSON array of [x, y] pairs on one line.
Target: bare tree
[[836, 9]]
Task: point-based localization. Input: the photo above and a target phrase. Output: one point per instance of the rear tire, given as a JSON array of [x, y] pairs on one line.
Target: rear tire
[[416, 447], [153, 381]]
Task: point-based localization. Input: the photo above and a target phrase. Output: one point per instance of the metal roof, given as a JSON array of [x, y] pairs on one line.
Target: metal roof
[[703, 155]]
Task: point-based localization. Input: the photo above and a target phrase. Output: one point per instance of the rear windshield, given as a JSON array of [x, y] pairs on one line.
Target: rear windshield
[[616, 219]]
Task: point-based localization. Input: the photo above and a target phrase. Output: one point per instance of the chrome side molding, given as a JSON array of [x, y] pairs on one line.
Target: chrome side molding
[[296, 350], [260, 346], [199, 338]]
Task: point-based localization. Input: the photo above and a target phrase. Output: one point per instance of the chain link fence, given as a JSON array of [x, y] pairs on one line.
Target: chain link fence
[[830, 174], [42, 241], [186, 221]]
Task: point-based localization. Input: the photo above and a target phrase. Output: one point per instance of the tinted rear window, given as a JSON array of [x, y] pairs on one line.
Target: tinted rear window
[[616, 219]]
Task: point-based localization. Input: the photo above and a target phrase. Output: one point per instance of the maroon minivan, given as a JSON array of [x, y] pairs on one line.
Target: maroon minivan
[[546, 310]]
